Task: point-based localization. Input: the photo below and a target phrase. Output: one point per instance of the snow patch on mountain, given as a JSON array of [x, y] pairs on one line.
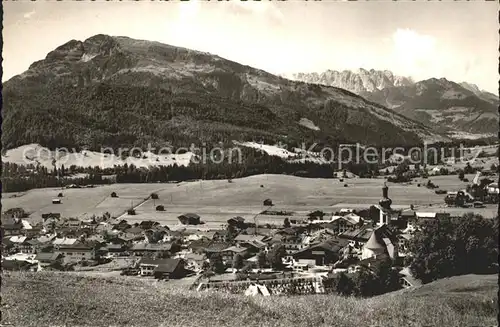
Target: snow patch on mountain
[[35, 154], [308, 123]]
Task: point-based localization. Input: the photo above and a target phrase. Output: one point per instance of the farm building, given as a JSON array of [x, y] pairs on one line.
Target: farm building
[[238, 222], [22, 244], [56, 201], [229, 253], [54, 215], [162, 268], [431, 215], [77, 252], [114, 250], [189, 219], [148, 224], [407, 280], [141, 249], [48, 258], [342, 224], [319, 254], [19, 265], [12, 226], [15, 213]]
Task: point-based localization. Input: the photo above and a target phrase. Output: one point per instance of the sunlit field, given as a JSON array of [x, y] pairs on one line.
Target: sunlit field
[[218, 200]]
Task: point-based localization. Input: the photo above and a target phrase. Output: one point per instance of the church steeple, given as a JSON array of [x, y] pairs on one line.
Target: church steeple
[[385, 202]]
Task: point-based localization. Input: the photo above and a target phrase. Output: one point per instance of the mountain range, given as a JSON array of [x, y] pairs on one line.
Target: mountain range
[[117, 91], [447, 107]]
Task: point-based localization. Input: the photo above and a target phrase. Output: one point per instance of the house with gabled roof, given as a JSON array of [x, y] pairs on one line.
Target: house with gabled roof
[[229, 253], [407, 279], [77, 252], [194, 261], [22, 244], [48, 258], [215, 248], [320, 254], [58, 242], [249, 238], [162, 268], [12, 226], [19, 265], [140, 249]]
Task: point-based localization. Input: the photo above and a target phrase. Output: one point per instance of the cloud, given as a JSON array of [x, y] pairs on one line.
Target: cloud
[[264, 10], [29, 14], [416, 54]]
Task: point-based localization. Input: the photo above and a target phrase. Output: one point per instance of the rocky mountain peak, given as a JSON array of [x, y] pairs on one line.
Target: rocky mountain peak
[[359, 81]]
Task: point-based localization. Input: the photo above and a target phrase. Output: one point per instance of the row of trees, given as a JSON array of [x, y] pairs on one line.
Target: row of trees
[[365, 283], [458, 246]]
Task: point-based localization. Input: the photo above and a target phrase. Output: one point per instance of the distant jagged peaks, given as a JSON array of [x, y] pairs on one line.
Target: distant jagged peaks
[[359, 81], [437, 102]]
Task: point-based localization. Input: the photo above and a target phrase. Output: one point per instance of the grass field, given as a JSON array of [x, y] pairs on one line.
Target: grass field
[[70, 299], [217, 200]]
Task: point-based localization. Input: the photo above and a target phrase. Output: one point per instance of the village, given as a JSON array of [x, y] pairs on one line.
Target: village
[[294, 257]]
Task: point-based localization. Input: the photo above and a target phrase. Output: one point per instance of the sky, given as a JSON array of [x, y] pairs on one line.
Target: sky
[[455, 40]]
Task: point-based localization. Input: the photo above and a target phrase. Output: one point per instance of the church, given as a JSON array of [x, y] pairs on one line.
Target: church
[[387, 215]]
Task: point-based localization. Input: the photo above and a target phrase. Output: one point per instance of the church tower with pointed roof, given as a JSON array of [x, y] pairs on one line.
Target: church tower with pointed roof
[[385, 202]]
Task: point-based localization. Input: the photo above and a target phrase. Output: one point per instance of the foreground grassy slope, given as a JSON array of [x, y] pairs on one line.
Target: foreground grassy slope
[[50, 298]]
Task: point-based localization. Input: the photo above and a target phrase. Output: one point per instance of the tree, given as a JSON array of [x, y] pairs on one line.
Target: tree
[[340, 284], [261, 259], [237, 261], [286, 223], [231, 232], [364, 284], [373, 213], [317, 214], [468, 169], [387, 277], [443, 171], [461, 175], [465, 245], [401, 169], [216, 264], [276, 255]]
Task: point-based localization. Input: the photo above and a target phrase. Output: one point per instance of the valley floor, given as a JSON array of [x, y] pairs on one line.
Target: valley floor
[[217, 200]]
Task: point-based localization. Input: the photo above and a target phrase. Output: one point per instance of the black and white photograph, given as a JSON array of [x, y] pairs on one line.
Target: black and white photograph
[[250, 163]]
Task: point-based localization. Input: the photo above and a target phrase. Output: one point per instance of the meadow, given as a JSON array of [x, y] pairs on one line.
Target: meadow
[[218, 200], [72, 299]]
